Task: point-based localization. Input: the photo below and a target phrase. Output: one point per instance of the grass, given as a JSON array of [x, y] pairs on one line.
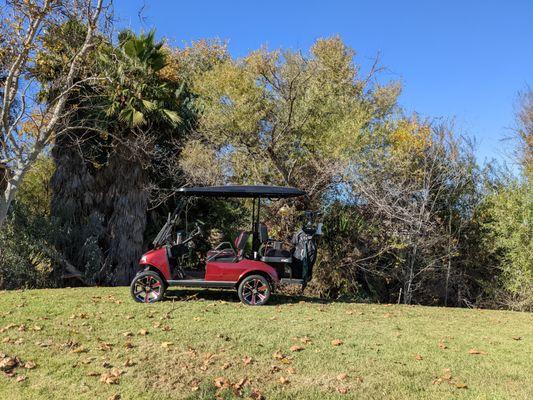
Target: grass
[[184, 347]]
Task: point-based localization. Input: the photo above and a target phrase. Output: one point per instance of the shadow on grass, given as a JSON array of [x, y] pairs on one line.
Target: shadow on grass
[[182, 294]]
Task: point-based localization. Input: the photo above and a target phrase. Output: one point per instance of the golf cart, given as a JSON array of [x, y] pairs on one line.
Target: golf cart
[[254, 272]]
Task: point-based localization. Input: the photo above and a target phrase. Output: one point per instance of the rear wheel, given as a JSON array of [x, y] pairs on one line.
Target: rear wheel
[[147, 287], [254, 290]]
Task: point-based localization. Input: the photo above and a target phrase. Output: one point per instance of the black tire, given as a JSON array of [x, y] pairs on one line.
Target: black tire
[[145, 285], [254, 290]]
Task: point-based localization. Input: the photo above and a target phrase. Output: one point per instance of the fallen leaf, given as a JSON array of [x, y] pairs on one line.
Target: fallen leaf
[[129, 345], [342, 390], [111, 378], [247, 360], [305, 340], [461, 385], [221, 382], [104, 346], [337, 342], [342, 377], [291, 370], [93, 373], [517, 337], [225, 366], [30, 365], [283, 380], [8, 363], [37, 328], [442, 345], [418, 357], [129, 363], [476, 351], [114, 397], [166, 344], [296, 348], [238, 386], [21, 378], [143, 332], [127, 334]]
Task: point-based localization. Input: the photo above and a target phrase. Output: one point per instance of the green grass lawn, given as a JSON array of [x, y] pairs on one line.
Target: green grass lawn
[[96, 343]]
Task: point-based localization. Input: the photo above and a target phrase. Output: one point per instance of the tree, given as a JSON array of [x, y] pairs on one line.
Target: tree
[[414, 190], [27, 124], [283, 118]]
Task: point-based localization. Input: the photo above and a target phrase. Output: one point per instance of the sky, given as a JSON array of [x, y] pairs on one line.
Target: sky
[[463, 61]]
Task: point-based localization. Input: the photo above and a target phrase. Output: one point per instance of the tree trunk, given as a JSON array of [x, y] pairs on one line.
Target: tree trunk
[[128, 196], [12, 181], [75, 208]]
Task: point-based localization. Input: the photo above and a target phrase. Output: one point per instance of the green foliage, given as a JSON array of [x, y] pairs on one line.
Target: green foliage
[[509, 227], [284, 118], [26, 255], [136, 94]]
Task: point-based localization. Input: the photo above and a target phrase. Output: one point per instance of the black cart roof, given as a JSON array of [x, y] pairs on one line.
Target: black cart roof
[[274, 192]]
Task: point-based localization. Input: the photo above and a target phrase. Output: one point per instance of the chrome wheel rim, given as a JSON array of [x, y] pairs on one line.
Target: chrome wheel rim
[[255, 292], [147, 289]]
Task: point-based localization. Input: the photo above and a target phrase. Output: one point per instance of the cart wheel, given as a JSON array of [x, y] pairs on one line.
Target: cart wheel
[[254, 290], [147, 287]]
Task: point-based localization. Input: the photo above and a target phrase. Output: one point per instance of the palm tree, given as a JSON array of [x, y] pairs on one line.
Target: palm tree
[[102, 179], [141, 108]]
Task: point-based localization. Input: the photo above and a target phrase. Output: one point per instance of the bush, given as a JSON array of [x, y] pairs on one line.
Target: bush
[[509, 232], [26, 258]]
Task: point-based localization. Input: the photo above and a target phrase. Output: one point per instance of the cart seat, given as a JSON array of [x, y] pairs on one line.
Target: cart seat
[[225, 252], [277, 256]]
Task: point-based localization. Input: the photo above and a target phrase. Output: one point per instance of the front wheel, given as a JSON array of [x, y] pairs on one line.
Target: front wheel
[[147, 287], [254, 290]]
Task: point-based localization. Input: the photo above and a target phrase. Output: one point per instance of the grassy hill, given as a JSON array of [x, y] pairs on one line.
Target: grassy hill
[[97, 343]]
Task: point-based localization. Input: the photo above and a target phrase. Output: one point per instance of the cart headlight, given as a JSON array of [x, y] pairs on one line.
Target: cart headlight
[[143, 259]]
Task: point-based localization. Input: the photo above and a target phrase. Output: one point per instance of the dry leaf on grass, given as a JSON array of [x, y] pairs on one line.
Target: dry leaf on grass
[[305, 340], [129, 363], [283, 380], [337, 342], [225, 366], [247, 360], [476, 351], [418, 357], [342, 390], [517, 337], [238, 386], [296, 348], [166, 345], [221, 382], [442, 345], [461, 385], [143, 332], [111, 378], [115, 396], [21, 378], [30, 365], [342, 377], [8, 363]]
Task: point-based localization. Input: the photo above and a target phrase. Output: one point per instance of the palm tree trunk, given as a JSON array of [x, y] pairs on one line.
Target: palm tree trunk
[[128, 197]]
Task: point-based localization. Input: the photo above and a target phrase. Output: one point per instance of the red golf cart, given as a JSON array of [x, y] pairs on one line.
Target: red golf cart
[[254, 272]]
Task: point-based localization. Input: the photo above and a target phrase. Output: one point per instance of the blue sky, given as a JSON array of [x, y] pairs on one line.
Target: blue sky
[[464, 60]]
